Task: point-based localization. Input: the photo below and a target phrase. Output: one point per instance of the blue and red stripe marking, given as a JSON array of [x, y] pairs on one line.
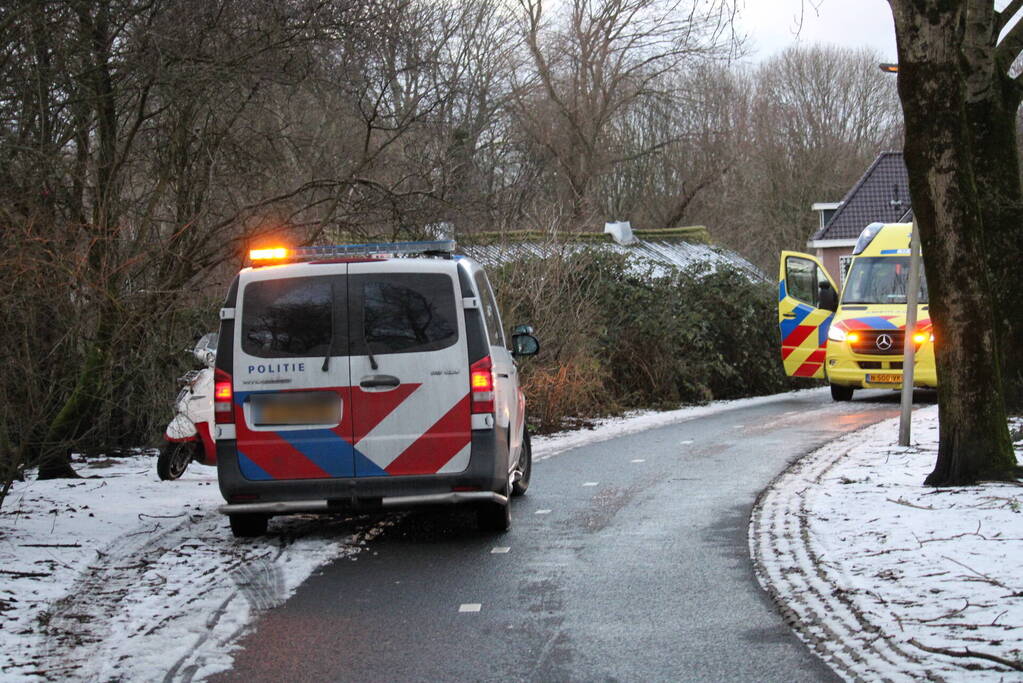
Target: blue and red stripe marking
[[332, 453]]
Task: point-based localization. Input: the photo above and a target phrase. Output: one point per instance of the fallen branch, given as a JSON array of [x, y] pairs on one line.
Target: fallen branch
[[903, 501], [142, 514], [967, 653], [25, 575], [983, 577]]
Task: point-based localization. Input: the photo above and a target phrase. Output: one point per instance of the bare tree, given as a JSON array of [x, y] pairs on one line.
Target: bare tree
[[594, 63]]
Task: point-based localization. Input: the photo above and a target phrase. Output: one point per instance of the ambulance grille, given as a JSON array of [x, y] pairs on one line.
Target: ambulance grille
[[879, 342]]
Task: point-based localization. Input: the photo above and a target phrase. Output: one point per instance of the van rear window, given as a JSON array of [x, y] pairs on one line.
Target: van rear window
[[405, 313], [288, 317]]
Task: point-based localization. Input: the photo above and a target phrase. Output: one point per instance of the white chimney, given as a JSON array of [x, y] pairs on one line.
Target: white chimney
[[621, 231]]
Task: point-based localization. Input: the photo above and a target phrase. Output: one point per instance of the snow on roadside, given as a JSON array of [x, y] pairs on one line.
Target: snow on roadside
[[126, 577], [880, 572]]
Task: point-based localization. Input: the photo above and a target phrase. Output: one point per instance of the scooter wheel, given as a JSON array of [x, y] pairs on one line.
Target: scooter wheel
[[174, 458]]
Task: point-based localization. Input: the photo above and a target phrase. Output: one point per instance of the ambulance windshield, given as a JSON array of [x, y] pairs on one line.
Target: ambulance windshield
[[880, 280]]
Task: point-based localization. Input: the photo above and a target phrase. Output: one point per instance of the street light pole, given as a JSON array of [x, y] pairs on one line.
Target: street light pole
[[908, 342]]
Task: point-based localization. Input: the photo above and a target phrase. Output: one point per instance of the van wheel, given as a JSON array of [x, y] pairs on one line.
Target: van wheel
[[840, 393], [525, 468], [494, 517], [174, 458], [248, 526]]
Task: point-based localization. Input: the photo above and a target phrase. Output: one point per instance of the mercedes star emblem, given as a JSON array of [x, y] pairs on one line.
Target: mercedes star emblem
[[883, 342]]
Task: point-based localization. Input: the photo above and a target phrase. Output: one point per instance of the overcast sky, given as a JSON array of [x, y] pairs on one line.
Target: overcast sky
[[773, 25]]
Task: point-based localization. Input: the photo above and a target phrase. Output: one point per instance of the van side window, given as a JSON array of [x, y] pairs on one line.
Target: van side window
[[405, 313], [494, 332], [287, 318]]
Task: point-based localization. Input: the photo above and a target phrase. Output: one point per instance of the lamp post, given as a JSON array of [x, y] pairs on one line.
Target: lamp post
[[912, 300]]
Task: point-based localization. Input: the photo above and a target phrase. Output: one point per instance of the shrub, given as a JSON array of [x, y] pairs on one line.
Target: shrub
[[618, 333]]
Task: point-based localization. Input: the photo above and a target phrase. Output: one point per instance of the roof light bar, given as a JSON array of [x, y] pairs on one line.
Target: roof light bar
[[338, 251]]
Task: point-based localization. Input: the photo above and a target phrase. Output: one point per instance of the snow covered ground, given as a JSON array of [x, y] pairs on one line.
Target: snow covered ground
[[881, 574], [122, 576]]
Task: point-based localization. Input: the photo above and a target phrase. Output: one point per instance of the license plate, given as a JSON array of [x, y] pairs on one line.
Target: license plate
[[884, 379], [308, 408]]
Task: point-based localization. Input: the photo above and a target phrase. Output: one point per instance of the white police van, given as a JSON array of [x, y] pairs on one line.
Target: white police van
[[366, 377]]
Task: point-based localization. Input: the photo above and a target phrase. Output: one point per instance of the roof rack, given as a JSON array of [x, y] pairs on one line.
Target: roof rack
[[442, 248]]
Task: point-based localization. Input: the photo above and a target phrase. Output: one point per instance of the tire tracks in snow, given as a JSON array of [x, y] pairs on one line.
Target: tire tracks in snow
[[163, 600], [812, 595]]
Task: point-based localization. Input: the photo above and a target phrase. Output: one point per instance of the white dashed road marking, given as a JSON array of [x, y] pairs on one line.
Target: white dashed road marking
[[470, 607], [590, 483], [542, 512], [637, 460], [688, 441], [499, 551]]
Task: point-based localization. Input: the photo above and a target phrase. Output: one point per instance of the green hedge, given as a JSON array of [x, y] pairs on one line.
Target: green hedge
[[620, 333]]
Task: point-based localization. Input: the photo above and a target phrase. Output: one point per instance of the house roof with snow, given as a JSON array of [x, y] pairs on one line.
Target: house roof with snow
[[670, 247], [880, 196]]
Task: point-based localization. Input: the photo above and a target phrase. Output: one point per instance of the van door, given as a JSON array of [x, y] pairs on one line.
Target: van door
[[409, 368], [803, 324], [292, 378]]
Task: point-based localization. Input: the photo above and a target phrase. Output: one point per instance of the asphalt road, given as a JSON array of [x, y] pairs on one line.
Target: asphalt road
[[627, 560]]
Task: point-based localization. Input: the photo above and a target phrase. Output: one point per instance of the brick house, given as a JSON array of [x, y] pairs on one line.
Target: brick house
[[880, 195]]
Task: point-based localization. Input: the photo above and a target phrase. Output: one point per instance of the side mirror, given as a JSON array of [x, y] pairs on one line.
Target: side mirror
[[522, 329], [524, 343], [828, 298]]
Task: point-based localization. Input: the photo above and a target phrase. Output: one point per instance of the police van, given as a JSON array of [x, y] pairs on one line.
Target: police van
[[366, 377], [858, 341]]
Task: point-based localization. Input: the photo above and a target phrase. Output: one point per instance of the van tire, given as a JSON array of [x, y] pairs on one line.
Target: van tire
[[249, 525], [174, 458], [525, 467], [840, 393], [494, 517]]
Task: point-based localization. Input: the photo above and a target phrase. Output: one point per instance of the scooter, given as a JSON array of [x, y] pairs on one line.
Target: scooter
[[189, 435]]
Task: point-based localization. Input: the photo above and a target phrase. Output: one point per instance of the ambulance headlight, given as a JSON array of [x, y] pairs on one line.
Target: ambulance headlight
[[837, 334]]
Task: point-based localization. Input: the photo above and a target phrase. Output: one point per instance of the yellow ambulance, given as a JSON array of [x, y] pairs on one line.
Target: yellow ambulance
[[856, 341]]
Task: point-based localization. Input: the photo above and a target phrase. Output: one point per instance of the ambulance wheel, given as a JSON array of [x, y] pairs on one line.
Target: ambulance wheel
[[249, 525], [174, 458], [525, 468], [494, 517], [840, 393]]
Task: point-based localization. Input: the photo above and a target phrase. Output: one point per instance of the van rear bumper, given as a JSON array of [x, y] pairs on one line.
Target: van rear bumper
[[486, 478], [298, 506]]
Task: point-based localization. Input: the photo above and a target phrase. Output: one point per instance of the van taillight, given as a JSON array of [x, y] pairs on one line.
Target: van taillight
[[223, 398], [481, 381]]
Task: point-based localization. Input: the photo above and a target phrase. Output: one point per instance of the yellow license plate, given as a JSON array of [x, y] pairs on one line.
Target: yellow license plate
[[312, 408], [884, 379]]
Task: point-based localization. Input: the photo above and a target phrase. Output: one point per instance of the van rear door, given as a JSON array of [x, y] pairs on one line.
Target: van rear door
[[803, 324], [409, 368], [291, 375]]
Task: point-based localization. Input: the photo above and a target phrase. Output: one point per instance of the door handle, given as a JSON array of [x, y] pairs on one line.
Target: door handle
[[503, 374], [788, 315], [379, 382]]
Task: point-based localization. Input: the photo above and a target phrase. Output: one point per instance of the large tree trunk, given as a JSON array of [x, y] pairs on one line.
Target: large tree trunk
[[974, 437], [996, 165]]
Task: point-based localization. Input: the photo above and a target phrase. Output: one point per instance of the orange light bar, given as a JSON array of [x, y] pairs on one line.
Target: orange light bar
[[272, 254]]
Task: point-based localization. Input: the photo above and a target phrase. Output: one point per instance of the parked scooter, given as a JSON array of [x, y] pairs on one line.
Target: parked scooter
[[189, 435]]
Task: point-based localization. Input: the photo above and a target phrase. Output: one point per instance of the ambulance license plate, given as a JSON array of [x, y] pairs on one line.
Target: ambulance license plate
[[884, 379], [302, 408]]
